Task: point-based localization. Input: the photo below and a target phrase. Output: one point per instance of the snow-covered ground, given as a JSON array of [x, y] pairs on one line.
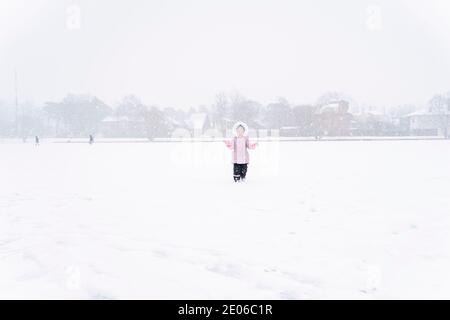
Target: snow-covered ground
[[362, 220]]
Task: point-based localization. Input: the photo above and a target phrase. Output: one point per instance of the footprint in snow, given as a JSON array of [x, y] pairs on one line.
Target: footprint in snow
[[288, 295], [160, 254], [226, 269], [101, 296]]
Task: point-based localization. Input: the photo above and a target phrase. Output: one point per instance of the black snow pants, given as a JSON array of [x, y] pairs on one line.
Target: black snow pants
[[239, 171]]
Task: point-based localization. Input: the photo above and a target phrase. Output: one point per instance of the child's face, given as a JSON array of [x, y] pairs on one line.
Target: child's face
[[240, 131]]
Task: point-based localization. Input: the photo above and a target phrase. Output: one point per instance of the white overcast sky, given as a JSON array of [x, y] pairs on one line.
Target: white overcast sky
[[181, 53]]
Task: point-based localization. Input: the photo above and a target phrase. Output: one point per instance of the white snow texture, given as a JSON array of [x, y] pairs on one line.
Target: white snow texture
[[314, 220]]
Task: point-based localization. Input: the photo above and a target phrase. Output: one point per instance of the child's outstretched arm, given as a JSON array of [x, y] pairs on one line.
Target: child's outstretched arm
[[252, 146], [229, 144]]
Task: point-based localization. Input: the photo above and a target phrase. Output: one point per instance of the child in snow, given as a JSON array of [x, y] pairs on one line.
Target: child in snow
[[240, 145]]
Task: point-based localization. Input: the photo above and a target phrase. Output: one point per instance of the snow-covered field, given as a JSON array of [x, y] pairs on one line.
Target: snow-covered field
[[362, 220]]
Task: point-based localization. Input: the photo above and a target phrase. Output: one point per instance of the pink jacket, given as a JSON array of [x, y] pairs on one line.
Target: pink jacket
[[240, 146]]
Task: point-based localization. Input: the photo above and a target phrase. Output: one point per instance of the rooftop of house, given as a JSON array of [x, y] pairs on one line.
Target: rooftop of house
[[332, 106], [425, 112]]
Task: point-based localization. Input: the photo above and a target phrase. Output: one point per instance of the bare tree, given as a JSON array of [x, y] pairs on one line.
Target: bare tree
[[156, 124], [303, 117], [279, 114], [220, 112], [243, 109], [132, 107]]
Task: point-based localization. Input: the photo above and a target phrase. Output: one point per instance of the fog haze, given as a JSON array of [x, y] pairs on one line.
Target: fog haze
[[181, 53]]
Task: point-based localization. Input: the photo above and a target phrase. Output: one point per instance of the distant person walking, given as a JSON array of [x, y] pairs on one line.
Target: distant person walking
[[91, 139], [240, 145], [36, 141]]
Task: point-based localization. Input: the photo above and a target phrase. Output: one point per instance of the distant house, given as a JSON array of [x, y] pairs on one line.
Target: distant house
[[121, 126], [198, 123], [426, 123]]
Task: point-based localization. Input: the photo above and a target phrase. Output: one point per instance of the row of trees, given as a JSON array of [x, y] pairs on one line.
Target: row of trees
[[78, 116], [81, 115]]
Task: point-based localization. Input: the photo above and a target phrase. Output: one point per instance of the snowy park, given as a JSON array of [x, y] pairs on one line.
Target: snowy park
[[165, 220], [222, 151]]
